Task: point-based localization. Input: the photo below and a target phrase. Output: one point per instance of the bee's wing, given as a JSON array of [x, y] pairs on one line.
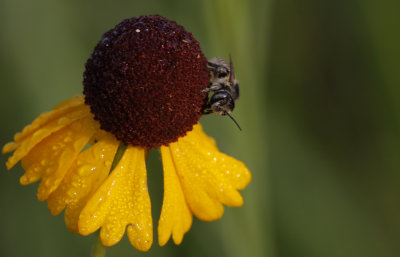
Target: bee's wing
[[232, 71], [217, 62], [212, 65]]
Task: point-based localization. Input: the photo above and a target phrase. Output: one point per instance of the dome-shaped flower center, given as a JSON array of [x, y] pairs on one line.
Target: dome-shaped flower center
[[144, 81]]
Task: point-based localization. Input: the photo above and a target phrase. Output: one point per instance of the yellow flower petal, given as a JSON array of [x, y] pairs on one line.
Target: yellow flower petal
[[88, 172], [176, 218], [43, 126], [51, 158], [122, 200], [208, 177]]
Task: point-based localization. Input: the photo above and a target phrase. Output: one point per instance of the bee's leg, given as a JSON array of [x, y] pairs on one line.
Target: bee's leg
[[205, 90], [207, 111], [214, 87]]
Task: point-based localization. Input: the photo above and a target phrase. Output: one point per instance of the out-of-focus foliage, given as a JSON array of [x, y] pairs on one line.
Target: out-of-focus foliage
[[333, 111], [319, 108]]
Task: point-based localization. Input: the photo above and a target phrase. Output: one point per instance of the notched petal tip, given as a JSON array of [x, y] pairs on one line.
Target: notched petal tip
[[84, 177], [198, 179], [208, 177], [110, 234], [122, 199], [141, 236], [175, 218], [51, 159]]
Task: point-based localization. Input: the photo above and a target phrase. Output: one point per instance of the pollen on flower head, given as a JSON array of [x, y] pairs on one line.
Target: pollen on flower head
[[144, 81]]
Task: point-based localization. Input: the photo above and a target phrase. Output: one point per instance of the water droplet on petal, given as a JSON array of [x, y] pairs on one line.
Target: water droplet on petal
[[67, 139], [72, 192], [49, 170], [63, 121], [24, 180], [85, 170], [48, 182]]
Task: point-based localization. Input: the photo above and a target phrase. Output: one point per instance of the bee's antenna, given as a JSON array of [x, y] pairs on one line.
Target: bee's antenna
[[237, 124], [232, 71]]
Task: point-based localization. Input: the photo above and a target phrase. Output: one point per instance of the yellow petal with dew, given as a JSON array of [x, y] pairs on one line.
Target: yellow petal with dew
[[176, 218], [122, 200], [208, 177], [59, 111], [41, 128], [73, 101], [46, 117], [51, 158], [88, 172]]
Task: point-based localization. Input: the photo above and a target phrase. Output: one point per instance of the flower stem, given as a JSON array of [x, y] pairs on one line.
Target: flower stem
[[98, 250], [118, 155]]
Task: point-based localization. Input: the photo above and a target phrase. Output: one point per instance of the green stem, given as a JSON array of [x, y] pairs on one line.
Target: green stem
[[118, 155], [98, 250]]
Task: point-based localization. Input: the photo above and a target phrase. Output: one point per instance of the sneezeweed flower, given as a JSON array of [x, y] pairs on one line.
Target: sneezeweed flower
[[142, 90]]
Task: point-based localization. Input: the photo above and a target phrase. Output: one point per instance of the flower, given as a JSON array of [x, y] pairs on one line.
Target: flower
[[143, 89]]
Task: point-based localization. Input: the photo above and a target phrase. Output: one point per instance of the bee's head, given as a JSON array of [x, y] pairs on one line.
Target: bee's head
[[222, 103]]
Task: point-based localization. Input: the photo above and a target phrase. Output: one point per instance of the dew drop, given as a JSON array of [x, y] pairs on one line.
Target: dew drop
[[38, 133], [63, 121], [44, 162], [24, 180], [85, 170], [48, 182], [105, 41], [72, 192], [49, 170], [33, 178], [67, 139]]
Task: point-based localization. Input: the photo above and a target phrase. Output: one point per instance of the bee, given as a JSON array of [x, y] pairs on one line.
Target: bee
[[224, 88]]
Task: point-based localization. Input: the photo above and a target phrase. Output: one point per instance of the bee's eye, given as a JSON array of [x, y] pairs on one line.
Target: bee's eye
[[222, 74], [223, 99], [220, 96]]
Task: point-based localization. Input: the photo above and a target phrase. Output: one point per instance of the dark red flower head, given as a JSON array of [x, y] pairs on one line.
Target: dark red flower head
[[144, 79]]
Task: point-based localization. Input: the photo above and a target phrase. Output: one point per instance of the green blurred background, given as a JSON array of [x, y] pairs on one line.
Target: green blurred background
[[319, 107]]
